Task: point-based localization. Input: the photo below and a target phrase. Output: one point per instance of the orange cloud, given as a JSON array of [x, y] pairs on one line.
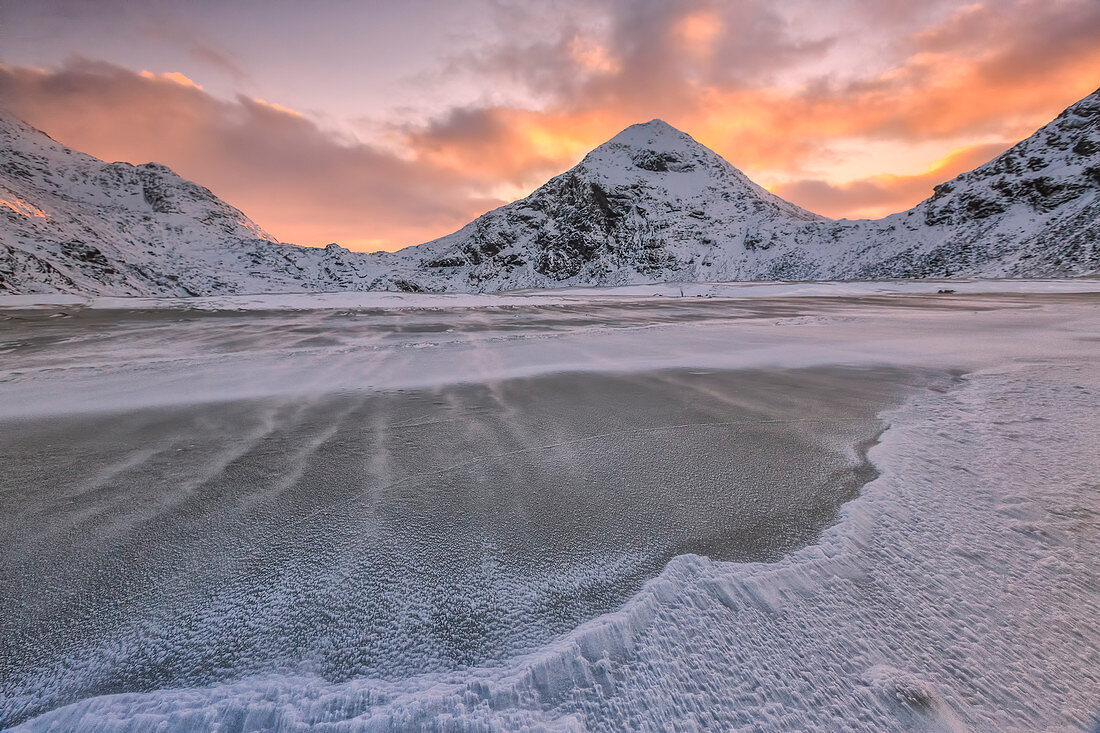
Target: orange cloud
[[171, 76], [277, 107], [592, 56], [297, 181], [878, 196], [979, 76], [697, 31]]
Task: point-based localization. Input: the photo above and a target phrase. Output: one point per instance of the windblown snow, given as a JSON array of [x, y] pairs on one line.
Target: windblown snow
[[650, 205]]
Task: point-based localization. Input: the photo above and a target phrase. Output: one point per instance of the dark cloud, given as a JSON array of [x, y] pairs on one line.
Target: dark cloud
[[219, 60], [642, 53]]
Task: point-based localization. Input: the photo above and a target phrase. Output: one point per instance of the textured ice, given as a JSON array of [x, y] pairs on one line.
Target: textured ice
[[956, 592], [389, 535]]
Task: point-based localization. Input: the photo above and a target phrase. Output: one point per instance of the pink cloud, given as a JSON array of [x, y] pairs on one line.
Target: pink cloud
[[300, 183]]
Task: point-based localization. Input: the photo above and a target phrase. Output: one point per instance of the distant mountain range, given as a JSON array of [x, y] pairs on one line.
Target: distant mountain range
[[649, 205]]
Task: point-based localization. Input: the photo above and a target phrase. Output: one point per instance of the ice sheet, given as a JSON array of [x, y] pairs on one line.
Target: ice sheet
[[955, 593], [392, 534], [59, 360]]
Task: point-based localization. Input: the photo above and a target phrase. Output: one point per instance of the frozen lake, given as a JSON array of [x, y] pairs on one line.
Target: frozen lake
[[392, 534], [569, 510]]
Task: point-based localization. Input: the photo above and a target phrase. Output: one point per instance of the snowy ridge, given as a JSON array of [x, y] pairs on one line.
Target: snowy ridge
[[650, 205], [1033, 209], [71, 223]]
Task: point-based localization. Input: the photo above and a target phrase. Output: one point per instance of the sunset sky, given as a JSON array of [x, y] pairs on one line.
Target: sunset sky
[[382, 124]]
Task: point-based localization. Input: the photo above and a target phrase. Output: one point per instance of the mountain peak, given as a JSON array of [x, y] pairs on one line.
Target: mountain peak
[[658, 125], [648, 148], [657, 160], [653, 135]]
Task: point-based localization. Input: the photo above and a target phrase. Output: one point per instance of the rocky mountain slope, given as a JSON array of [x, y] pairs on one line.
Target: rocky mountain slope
[[649, 205], [1032, 211]]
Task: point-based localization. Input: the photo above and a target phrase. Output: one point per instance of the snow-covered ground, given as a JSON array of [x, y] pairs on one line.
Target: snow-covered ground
[[399, 301], [957, 592]]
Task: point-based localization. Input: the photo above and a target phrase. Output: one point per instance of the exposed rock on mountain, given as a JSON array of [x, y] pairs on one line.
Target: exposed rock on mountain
[[649, 205], [1032, 211]]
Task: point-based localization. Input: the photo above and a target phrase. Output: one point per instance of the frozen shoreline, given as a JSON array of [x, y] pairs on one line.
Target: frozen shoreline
[[954, 593], [230, 540]]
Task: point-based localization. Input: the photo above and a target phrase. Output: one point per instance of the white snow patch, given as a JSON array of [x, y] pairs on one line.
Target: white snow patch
[[561, 296]]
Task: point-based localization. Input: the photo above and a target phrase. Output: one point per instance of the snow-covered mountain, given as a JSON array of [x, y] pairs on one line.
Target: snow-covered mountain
[[649, 205], [653, 205], [74, 224], [1033, 211]]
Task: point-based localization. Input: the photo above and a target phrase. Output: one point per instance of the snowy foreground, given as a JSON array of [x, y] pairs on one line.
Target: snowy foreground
[[957, 591]]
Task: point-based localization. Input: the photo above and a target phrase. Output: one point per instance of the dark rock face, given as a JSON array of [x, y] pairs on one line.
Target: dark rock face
[[155, 193], [652, 160], [446, 261], [87, 254], [755, 241], [582, 218]]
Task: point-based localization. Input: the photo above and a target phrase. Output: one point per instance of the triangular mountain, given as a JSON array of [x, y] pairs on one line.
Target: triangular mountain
[[650, 203]]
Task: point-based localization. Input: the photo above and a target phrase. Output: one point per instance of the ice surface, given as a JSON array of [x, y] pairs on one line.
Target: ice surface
[[389, 535], [134, 353], [956, 592]]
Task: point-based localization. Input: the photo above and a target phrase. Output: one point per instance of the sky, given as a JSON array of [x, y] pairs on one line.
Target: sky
[[379, 124]]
